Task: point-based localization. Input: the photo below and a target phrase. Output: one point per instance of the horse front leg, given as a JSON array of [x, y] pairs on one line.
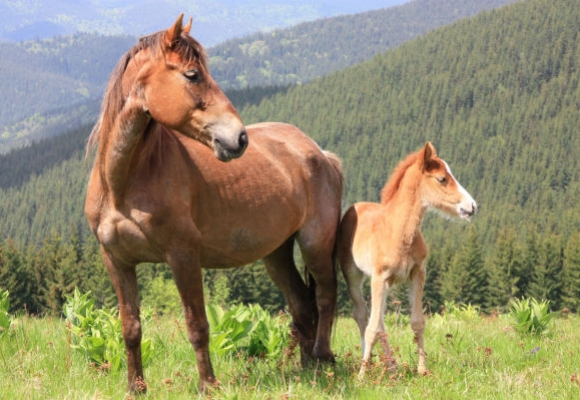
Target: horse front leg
[[124, 280], [188, 278], [417, 318]]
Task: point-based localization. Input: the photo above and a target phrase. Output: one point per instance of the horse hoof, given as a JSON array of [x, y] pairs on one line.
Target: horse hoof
[[323, 356], [422, 370], [138, 387]]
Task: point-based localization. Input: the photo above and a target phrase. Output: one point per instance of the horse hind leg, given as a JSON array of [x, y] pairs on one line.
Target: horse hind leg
[[124, 280], [283, 272], [417, 317], [318, 252], [375, 329]]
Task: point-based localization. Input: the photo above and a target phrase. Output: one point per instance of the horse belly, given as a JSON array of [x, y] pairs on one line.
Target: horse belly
[[240, 246]]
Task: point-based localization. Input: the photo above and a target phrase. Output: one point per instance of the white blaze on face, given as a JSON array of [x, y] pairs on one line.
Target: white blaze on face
[[467, 206]]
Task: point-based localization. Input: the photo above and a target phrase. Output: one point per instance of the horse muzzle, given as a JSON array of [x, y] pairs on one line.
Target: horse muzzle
[[226, 150]]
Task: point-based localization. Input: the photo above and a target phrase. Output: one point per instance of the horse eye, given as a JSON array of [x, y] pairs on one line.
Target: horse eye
[[441, 179], [193, 75]]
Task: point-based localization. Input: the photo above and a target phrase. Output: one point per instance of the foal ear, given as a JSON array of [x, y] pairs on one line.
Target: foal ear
[[173, 33], [429, 153], [187, 28]]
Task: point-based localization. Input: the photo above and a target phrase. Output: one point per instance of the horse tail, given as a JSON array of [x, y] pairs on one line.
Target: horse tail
[[336, 163]]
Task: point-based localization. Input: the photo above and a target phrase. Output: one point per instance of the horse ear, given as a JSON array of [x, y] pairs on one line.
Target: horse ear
[[173, 33], [187, 28], [429, 153]]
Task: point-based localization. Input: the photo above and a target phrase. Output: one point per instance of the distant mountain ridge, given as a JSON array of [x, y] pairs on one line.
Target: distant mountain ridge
[[215, 20]]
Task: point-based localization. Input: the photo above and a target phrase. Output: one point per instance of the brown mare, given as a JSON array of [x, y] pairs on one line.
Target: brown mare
[[384, 241], [157, 193]]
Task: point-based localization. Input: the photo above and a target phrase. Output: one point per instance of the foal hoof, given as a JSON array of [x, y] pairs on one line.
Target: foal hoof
[[363, 370]]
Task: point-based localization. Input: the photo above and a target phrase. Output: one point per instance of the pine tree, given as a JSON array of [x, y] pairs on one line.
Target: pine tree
[[468, 281], [56, 273], [502, 270], [546, 282], [571, 281], [15, 277], [93, 275]]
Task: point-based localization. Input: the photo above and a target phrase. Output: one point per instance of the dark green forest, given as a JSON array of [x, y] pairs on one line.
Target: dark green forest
[[498, 95], [51, 86]]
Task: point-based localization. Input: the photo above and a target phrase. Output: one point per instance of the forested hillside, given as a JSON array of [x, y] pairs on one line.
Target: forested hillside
[[313, 49], [497, 94], [49, 86], [40, 78]]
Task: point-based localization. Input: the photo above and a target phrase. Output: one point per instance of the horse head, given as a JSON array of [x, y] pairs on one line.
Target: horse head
[[440, 189], [169, 74]]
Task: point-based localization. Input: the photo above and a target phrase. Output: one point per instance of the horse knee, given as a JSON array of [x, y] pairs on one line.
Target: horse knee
[[199, 336], [132, 333], [418, 324]]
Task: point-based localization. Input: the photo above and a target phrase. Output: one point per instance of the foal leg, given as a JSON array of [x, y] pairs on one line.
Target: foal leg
[[376, 327], [282, 270], [124, 280], [355, 279], [417, 277]]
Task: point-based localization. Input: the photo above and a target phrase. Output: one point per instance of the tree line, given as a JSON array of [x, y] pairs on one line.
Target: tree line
[[544, 267]]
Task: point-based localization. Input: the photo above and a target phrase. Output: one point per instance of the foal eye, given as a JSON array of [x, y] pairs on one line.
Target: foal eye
[[193, 75], [441, 179]]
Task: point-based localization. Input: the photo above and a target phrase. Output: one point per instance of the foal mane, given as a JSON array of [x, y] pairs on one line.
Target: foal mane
[[394, 182], [185, 46]]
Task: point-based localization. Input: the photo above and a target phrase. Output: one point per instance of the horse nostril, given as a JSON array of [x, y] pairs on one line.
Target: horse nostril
[[243, 139]]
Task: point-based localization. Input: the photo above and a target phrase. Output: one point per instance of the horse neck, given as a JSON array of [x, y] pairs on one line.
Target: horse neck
[[405, 210], [118, 152]]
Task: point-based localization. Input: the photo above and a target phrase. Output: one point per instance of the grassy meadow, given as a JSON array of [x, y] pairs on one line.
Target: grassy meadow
[[470, 356]]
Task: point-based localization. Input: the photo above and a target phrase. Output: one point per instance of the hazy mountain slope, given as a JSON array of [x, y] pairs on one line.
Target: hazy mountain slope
[[215, 20], [39, 76]]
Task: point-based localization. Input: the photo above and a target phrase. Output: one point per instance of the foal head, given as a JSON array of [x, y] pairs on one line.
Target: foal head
[[439, 188], [168, 71]]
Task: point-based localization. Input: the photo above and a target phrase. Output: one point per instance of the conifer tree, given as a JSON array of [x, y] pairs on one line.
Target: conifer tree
[[15, 277], [56, 273], [546, 282], [502, 270], [571, 274], [467, 280]]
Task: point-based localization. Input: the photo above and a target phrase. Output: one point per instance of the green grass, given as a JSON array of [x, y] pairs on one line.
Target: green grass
[[470, 357]]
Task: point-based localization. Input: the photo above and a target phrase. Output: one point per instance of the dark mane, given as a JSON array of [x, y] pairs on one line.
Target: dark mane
[[186, 47], [394, 182]]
